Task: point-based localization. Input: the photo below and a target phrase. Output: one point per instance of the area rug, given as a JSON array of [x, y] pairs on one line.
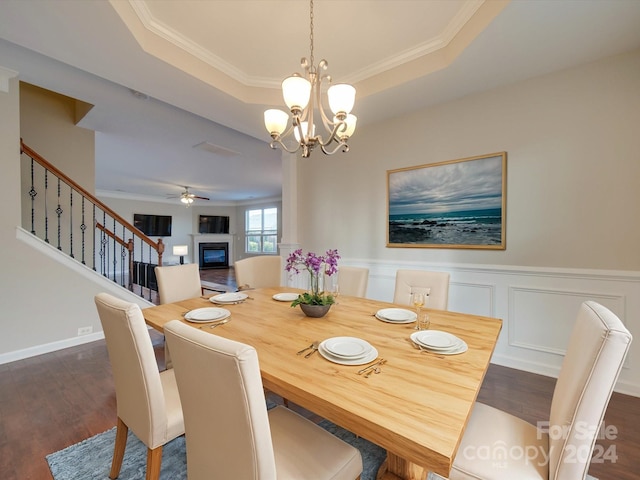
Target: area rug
[[91, 458]]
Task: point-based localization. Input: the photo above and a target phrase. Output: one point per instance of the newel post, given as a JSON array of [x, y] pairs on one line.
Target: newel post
[[160, 251]]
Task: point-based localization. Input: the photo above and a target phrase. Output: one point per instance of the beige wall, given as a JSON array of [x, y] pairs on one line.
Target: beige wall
[[47, 125], [573, 171]]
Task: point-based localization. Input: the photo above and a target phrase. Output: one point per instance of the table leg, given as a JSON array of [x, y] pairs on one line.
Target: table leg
[[397, 468]]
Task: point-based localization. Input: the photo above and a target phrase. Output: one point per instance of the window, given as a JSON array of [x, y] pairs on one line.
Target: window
[[261, 227]]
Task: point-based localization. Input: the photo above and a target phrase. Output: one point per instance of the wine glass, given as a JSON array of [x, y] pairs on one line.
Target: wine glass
[[334, 290], [417, 300]]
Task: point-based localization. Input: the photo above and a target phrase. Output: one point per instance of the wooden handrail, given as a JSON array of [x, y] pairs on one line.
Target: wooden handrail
[[158, 246], [109, 233]]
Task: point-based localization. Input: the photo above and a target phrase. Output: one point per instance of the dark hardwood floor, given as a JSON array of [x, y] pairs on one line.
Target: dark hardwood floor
[[221, 276], [55, 400]]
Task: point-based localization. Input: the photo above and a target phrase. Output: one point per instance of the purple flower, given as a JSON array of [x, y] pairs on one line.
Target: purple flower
[[326, 264]]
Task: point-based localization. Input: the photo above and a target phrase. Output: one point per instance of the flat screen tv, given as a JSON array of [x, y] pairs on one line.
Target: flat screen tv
[[153, 225], [213, 224]]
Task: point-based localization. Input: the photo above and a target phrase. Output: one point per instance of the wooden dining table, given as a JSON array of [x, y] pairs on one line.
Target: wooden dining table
[[416, 406]]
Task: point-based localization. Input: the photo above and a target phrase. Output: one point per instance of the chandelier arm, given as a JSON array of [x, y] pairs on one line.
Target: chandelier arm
[[341, 144], [333, 135], [325, 119], [276, 141]]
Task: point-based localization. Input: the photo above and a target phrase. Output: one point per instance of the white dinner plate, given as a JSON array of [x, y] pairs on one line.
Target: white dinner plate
[[372, 355], [396, 315], [285, 297], [437, 340], [461, 348], [208, 314], [231, 297], [347, 347]]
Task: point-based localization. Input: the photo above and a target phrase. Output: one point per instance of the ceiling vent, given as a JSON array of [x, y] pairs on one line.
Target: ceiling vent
[[216, 149]]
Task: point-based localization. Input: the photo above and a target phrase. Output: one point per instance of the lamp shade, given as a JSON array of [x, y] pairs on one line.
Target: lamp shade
[[305, 126], [342, 97], [275, 120], [296, 92], [351, 121], [180, 250]]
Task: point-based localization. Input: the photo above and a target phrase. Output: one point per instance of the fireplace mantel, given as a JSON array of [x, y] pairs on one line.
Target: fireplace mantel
[[198, 238]]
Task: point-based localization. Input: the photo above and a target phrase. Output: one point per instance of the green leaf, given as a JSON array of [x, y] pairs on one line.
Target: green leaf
[[311, 299]]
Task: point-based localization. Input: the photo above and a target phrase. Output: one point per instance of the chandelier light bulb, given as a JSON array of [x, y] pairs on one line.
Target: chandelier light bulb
[[351, 121], [276, 121], [305, 126], [342, 97], [296, 92]]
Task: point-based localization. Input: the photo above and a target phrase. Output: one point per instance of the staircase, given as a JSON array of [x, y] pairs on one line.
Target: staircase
[[63, 214]]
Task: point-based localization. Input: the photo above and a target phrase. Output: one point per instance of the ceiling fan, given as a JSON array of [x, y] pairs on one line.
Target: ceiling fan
[[187, 197]]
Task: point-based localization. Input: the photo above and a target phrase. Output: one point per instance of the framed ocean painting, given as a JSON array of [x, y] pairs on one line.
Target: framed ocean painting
[[453, 204]]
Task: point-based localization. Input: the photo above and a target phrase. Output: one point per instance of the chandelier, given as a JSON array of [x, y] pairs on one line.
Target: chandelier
[[302, 95]]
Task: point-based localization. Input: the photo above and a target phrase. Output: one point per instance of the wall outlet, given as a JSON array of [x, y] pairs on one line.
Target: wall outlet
[[85, 331]]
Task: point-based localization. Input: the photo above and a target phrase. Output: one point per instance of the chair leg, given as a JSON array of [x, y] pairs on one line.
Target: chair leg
[[154, 462], [118, 450]]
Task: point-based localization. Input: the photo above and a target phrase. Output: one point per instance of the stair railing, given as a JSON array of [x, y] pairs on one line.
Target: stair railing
[[62, 213]]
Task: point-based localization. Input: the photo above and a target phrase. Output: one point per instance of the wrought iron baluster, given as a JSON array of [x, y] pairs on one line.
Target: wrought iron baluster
[[115, 258], [83, 228], [32, 194], [130, 261], [59, 213], [123, 258], [46, 208], [71, 222], [140, 264], [103, 247], [149, 274], [93, 248]]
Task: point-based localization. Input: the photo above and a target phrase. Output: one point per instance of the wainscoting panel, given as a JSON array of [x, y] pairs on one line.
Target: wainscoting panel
[[534, 313], [473, 298], [538, 307]]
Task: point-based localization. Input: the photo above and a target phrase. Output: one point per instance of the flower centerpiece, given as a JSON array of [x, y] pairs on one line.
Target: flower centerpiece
[[318, 266]]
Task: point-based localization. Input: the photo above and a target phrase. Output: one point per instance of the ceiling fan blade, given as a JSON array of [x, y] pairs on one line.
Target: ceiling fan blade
[[201, 198]]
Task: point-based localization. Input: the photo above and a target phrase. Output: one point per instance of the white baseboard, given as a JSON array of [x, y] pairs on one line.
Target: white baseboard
[[49, 347]]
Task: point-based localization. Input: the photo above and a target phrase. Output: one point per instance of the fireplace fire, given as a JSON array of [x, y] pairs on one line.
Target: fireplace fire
[[214, 255]]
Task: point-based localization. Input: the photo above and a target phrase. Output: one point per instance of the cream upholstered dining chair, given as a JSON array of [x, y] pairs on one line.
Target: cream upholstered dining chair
[[436, 284], [147, 401], [230, 433], [353, 281], [497, 445], [178, 282], [258, 272]]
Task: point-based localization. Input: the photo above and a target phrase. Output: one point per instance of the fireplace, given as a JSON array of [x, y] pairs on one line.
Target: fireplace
[[214, 255]]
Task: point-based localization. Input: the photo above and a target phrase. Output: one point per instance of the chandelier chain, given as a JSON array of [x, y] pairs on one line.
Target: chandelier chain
[[311, 33]]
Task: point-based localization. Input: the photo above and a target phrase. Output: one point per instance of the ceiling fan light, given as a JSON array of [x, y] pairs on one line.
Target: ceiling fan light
[[342, 97], [275, 121], [296, 92], [186, 199]]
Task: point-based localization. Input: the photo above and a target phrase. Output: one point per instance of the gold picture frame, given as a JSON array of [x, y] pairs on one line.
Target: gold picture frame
[[453, 204]]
